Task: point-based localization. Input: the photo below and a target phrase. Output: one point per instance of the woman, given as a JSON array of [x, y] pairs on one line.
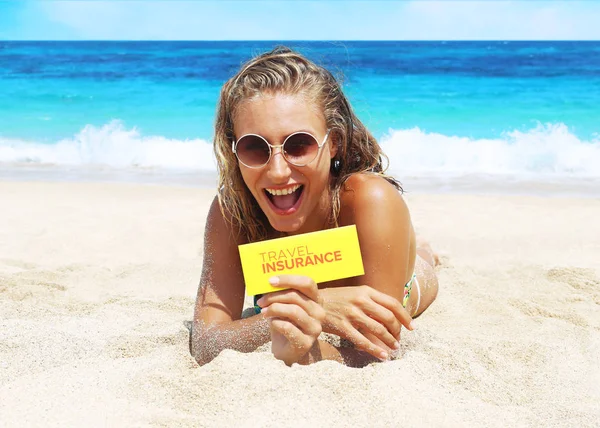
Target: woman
[[293, 158]]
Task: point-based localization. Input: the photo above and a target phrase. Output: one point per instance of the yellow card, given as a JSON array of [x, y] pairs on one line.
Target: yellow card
[[324, 256]]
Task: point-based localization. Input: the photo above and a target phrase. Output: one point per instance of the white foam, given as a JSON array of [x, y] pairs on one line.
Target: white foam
[[548, 150], [113, 146]]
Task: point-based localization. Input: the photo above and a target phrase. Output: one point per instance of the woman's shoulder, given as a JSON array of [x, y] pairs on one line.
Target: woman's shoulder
[[220, 224], [369, 194], [369, 187]]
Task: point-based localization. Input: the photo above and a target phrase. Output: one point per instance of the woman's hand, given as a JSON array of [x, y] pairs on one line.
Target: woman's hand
[[368, 318], [295, 316]]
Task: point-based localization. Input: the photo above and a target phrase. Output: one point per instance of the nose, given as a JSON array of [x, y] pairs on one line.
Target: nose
[[278, 169]]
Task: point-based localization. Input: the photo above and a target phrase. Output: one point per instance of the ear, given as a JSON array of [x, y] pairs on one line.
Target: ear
[[333, 145]]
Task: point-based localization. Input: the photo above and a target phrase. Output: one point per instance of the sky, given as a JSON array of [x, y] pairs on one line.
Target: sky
[[300, 20]]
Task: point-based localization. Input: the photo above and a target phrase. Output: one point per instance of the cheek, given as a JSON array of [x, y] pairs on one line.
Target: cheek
[[320, 175], [249, 177]]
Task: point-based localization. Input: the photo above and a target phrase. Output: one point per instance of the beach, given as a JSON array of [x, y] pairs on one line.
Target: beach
[[98, 283]]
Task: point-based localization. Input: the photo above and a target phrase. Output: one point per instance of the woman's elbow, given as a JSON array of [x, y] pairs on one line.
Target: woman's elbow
[[199, 348]]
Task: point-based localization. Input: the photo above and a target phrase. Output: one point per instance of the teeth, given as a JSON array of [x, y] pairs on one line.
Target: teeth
[[280, 192]]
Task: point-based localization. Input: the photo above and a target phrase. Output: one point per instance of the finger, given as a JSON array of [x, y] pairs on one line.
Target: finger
[[285, 296], [363, 344], [382, 316], [378, 330], [393, 305], [303, 284], [296, 315], [291, 332], [293, 297]]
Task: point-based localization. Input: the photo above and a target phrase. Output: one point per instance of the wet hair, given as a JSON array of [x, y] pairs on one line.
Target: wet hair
[[284, 71]]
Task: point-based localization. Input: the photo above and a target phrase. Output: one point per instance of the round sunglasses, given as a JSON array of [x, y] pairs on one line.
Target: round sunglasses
[[299, 149]]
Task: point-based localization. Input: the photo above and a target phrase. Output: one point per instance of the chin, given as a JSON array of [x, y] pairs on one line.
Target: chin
[[285, 225]]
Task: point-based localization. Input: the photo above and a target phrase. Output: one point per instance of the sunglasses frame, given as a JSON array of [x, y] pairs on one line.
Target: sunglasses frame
[[272, 146]]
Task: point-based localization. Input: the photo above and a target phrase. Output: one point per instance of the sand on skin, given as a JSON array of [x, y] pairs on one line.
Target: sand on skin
[[98, 281]]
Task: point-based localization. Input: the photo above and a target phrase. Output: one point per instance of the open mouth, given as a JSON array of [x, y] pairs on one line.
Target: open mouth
[[285, 201]]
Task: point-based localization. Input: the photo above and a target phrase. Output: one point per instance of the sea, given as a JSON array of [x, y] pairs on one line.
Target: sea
[[474, 116]]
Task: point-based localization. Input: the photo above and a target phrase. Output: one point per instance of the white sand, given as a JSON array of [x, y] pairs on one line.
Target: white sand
[[97, 282]]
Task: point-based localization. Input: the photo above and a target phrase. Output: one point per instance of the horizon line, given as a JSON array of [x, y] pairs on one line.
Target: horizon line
[[300, 40]]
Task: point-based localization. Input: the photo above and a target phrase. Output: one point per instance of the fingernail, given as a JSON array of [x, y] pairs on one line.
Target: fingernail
[[260, 301], [274, 280], [396, 345], [412, 325], [264, 311], [384, 356]]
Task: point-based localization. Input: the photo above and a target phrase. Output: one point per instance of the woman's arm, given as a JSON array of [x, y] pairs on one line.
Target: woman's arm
[[385, 232], [387, 242], [217, 324]]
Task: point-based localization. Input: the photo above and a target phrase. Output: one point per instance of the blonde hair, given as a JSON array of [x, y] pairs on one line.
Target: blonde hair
[[284, 71]]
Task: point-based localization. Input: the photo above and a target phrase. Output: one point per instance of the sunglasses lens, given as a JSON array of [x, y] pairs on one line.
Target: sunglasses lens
[[252, 151], [301, 148]]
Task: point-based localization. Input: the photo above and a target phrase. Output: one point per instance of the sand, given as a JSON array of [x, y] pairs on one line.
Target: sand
[[98, 282]]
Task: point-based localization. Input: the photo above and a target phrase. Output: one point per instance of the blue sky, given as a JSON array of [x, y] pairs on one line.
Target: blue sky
[[299, 20]]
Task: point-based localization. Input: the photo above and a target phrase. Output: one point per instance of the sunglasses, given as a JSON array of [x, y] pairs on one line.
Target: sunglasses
[[299, 149]]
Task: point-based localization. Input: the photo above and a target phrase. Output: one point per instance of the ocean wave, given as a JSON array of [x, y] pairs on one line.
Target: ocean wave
[[112, 145], [546, 150]]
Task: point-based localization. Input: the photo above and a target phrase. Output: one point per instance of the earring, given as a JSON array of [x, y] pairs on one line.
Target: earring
[[336, 166]]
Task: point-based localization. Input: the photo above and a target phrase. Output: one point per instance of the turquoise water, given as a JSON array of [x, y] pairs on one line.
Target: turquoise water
[[522, 108]]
